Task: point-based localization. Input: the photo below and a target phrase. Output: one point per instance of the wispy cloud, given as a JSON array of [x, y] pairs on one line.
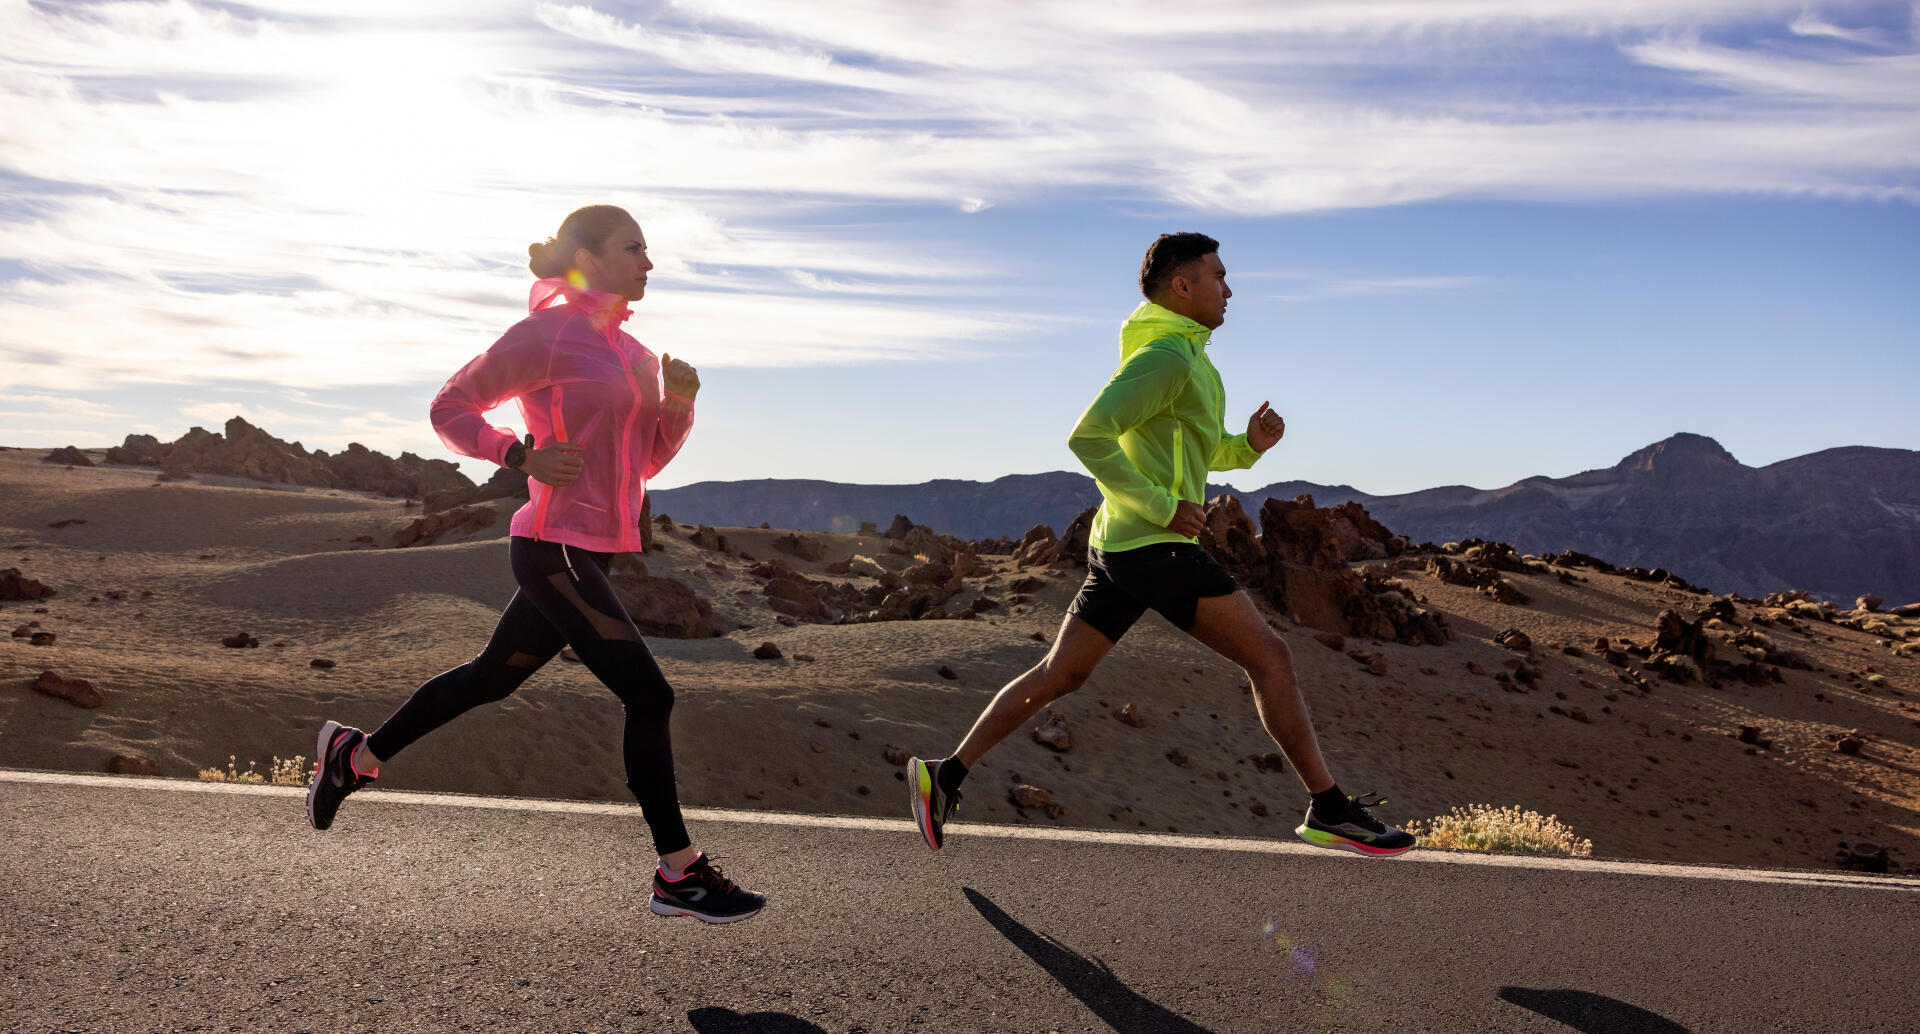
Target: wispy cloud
[[339, 193]]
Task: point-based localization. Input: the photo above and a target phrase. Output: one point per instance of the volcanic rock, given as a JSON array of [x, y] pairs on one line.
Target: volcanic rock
[[139, 450], [78, 692], [767, 651], [14, 586], [121, 764], [71, 456], [1053, 734], [1130, 715], [425, 531], [659, 606]]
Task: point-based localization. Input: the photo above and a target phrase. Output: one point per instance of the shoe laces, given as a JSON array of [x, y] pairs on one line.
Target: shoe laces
[[950, 803], [1359, 814], [710, 874]]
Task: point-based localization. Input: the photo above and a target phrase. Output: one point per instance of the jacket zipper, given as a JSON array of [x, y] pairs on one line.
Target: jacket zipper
[[626, 445], [559, 422]]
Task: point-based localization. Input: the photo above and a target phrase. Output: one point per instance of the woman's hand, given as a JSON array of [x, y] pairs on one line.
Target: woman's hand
[[681, 379], [557, 464]]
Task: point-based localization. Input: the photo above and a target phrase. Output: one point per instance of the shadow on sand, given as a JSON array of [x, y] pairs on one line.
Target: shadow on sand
[[1590, 1013], [714, 1020], [1086, 979]]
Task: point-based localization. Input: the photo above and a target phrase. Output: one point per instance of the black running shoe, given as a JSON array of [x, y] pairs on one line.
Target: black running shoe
[[334, 776], [1357, 831], [703, 893], [932, 807]]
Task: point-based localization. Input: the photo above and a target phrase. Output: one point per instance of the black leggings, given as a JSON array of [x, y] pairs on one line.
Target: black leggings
[[564, 598]]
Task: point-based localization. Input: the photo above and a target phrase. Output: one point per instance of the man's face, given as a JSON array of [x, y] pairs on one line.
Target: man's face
[[1202, 285]]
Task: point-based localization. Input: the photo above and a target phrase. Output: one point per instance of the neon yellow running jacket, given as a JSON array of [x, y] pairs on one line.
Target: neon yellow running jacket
[[1155, 430]]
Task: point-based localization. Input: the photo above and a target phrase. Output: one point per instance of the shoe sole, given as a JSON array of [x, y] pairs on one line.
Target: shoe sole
[[920, 799], [319, 769], [1336, 842], [663, 908]]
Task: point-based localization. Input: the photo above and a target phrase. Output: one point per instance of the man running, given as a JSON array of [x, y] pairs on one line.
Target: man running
[[1150, 437]]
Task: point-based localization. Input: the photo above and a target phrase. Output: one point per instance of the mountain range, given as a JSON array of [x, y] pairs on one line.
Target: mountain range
[[1838, 523]]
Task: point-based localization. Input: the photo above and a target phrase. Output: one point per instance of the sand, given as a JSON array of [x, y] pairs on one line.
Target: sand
[[1655, 775]]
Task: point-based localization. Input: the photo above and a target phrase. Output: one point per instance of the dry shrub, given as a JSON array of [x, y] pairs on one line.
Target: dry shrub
[[1509, 830], [292, 771]]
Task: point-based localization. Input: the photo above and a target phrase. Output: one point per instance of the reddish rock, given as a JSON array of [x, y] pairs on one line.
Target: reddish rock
[[1178, 757], [1024, 795], [71, 456], [900, 526], [895, 755], [659, 606], [243, 641], [1130, 715], [121, 764], [320, 662], [1868, 602], [14, 586], [707, 538], [1863, 858], [425, 531], [1053, 734], [796, 545], [1375, 663], [139, 450], [1036, 547], [1271, 761], [1331, 640], [1849, 745], [1675, 635], [946, 672], [78, 692], [1752, 734], [1230, 534], [42, 639], [767, 651], [1514, 639]]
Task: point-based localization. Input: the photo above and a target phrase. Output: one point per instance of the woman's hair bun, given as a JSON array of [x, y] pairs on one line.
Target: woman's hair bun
[[541, 259]]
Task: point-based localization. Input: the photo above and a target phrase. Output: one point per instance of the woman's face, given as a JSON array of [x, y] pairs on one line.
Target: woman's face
[[621, 267]]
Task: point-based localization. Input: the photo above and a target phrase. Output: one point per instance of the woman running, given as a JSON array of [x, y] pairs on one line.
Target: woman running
[[605, 415]]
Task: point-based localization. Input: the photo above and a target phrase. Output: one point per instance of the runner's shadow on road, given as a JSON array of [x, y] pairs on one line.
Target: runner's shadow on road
[[713, 1020], [1086, 979], [1590, 1013]]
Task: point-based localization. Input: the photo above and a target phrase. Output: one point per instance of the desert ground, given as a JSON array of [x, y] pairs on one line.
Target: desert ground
[[150, 576]]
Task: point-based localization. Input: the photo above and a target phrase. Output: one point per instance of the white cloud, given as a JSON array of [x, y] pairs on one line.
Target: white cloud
[[322, 194]]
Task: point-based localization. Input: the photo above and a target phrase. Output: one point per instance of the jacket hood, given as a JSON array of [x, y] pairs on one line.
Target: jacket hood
[[1150, 323]]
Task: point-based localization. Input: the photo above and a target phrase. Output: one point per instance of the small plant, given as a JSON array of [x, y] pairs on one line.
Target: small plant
[[292, 771], [1509, 830]]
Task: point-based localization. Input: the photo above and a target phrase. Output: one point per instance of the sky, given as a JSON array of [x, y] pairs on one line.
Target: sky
[[1470, 241]]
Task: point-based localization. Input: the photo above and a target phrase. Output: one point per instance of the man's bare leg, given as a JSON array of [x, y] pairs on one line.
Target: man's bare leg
[[1076, 651], [1233, 628]]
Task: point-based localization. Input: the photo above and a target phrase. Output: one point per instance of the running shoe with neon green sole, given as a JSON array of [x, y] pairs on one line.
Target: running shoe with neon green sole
[[1357, 830], [932, 807]]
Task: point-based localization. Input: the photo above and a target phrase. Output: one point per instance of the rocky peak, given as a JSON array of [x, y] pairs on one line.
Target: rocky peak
[[1682, 460]]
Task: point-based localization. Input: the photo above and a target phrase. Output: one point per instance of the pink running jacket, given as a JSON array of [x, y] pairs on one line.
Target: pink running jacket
[[579, 378]]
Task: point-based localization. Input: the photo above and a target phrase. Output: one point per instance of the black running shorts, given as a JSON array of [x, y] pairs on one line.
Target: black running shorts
[[1170, 577]]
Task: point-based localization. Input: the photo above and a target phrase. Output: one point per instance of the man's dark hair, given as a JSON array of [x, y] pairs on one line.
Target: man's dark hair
[[1167, 254]]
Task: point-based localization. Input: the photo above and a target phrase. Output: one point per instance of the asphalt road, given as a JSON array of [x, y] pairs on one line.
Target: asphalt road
[[138, 905]]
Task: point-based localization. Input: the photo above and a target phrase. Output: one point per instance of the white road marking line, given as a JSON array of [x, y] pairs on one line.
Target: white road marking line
[[1077, 836]]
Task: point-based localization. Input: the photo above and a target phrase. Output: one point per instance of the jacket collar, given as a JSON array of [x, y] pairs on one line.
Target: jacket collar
[[606, 309], [1151, 322]]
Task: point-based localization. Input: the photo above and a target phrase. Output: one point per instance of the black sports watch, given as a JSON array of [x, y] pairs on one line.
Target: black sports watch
[[517, 454]]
